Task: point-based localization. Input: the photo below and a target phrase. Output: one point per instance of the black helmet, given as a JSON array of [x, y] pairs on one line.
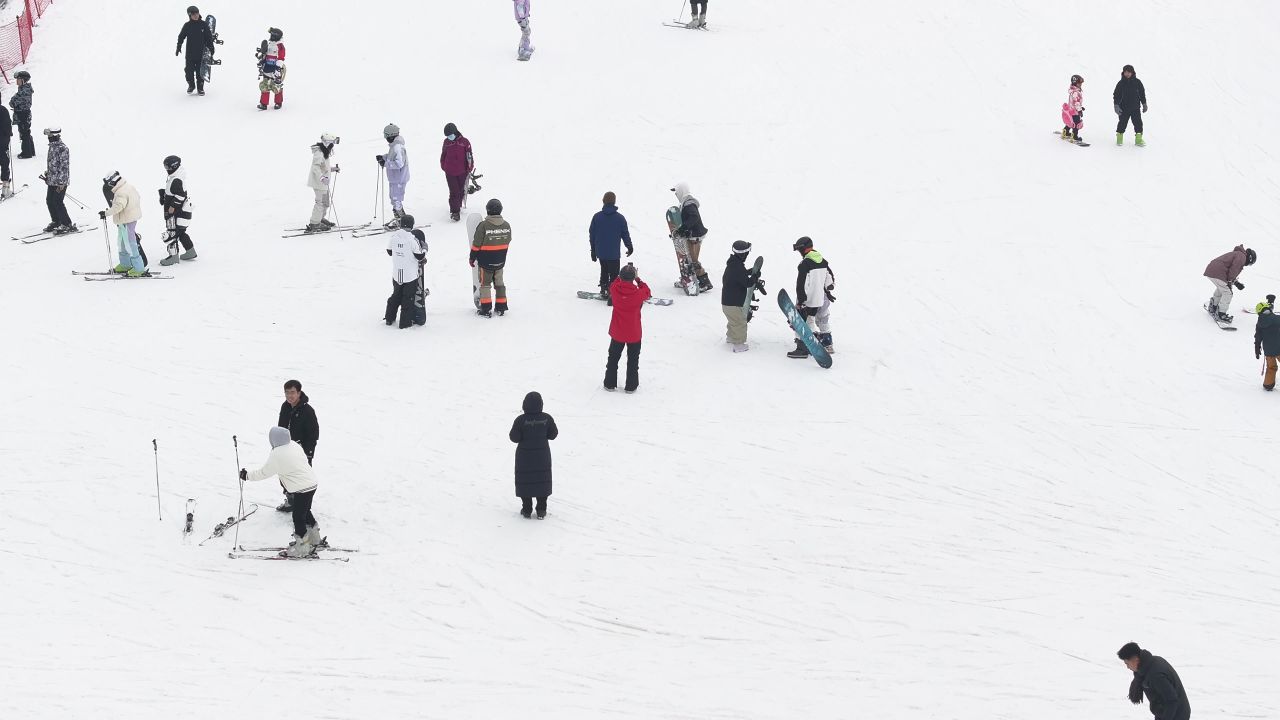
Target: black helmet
[[802, 244], [494, 207], [741, 247], [406, 221], [173, 162], [22, 75], [275, 34], [1250, 257], [1076, 79]]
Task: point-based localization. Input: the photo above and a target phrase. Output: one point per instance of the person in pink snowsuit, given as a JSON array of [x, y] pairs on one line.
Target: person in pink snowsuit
[[1073, 110]]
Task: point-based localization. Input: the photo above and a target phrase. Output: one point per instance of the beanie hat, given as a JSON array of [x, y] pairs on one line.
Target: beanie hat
[[741, 247], [628, 272], [278, 436], [610, 198]]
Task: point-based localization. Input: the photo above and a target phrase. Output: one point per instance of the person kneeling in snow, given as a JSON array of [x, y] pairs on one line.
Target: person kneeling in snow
[[289, 461]]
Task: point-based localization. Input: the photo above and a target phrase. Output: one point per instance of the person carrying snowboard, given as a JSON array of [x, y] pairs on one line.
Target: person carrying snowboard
[[319, 180], [457, 163], [814, 284], [408, 250], [289, 462], [699, 10], [693, 231], [199, 38], [608, 229], [299, 418], [271, 69], [1130, 98], [20, 103], [1224, 271], [396, 163], [1266, 339], [525, 51], [57, 176], [735, 286], [1073, 110], [177, 212], [125, 212], [531, 432], [629, 293], [489, 253], [6, 139]]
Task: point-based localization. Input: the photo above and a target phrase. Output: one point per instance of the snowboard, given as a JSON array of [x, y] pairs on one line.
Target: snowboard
[[473, 222], [1219, 323], [1078, 144], [802, 330], [688, 280], [420, 295], [753, 275], [588, 295], [206, 57]]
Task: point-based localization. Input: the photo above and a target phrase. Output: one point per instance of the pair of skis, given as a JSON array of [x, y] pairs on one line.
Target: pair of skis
[[300, 231], [48, 235], [15, 192], [280, 553], [382, 230], [230, 522], [113, 275]]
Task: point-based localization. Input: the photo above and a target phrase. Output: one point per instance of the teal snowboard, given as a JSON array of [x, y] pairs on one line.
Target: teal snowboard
[[802, 329]]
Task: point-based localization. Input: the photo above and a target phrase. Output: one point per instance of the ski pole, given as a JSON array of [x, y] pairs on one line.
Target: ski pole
[[333, 205], [156, 449], [377, 190], [107, 239], [74, 200], [681, 15], [240, 510]]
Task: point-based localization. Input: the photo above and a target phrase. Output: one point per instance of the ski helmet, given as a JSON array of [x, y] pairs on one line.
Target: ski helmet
[[22, 75], [193, 10], [112, 179], [173, 162], [741, 247], [803, 244], [275, 34], [329, 139], [494, 207], [1076, 80], [390, 131], [406, 221], [1250, 257], [53, 133]]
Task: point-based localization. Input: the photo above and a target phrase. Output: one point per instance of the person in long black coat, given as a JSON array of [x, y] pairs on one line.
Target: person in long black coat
[[531, 432]]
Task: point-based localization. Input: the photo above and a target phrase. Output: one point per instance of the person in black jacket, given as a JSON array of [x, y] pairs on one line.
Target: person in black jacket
[[199, 38], [1156, 678], [299, 417], [1130, 99], [735, 286], [1266, 339], [6, 137], [530, 432]]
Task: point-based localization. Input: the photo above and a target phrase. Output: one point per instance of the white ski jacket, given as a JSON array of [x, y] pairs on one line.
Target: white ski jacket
[[288, 461]]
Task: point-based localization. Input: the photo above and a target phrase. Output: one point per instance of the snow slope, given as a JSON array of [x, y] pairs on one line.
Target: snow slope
[[1032, 447]]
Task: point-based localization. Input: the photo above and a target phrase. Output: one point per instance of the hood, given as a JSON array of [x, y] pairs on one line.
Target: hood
[[278, 436], [681, 190], [624, 288], [1238, 248], [609, 209], [302, 398], [494, 219], [813, 255], [1130, 69], [738, 259], [532, 403]]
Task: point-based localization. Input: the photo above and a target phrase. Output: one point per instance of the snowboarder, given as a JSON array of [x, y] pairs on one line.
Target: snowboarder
[[199, 38], [177, 212], [1130, 98], [693, 231], [608, 229], [271, 69], [1073, 110], [489, 253], [125, 212], [525, 51], [318, 180], [396, 163], [57, 176], [628, 293], [735, 286], [6, 139], [699, 19], [457, 163], [21, 104], [299, 418], [531, 432], [408, 250], [290, 463], [814, 286], [1156, 678], [1266, 339], [1224, 271]]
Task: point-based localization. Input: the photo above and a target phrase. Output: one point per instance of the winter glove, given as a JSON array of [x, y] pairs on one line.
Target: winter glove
[[1239, 285], [102, 214], [1117, 108], [161, 191], [244, 474], [593, 256], [630, 250], [471, 262], [1144, 107], [1257, 354], [337, 169], [382, 160]]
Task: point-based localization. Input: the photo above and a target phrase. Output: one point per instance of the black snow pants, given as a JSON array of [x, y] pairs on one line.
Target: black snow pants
[[302, 517], [402, 297], [608, 273], [633, 365], [1136, 114]]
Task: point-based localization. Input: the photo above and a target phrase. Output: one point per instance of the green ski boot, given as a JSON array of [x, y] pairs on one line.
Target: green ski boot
[[1138, 140], [1119, 138]]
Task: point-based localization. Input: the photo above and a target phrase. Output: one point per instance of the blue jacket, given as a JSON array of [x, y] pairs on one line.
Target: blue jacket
[[607, 228]]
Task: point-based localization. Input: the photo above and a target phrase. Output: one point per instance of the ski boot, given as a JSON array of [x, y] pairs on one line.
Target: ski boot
[[704, 284], [1119, 138], [693, 23], [64, 229], [120, 269], [51, 227], [169, 260], [6, 190], [314, 227], [1223, 317], [136, 273], [188, 255], [1137, 140], [327, 223], [394, 222], [800, 352], [455, 216]]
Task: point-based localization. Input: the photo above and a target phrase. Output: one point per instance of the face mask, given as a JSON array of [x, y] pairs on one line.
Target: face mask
[[452, 136]]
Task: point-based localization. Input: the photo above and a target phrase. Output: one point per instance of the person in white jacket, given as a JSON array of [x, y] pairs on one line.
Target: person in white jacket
[[319, 178], [125, 212], [289, 461]]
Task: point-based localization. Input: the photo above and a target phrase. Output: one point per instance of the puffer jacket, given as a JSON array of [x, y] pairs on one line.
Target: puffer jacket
[[288, 461], [1266, 335], [814, 283], [1226, 267], [21, 100], [58, 168], [628, 300], [397, 160], [455, 157], [318, 178], [126, 205]]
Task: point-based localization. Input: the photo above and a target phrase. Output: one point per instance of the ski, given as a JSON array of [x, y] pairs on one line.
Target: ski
[[802, 330], [588, 295], [42, 236], [683, 26], [1220, 323], [299, 232], [230, 522], [249, 556], [382, 230], [99, 277], [324, 545], [15, 192], [190, 521]]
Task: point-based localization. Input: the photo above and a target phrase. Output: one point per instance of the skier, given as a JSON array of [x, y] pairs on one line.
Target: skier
[[1073, 110], [290, 463], [525, 51], [735, 286], [628, 293], [1266, 337], [297, 415], [1224, 271], [531, 432], [177, 212], [457, 163], [125, 212], [408, 250], [271, 69], [318, 180], [693, 231], [489, 253], [608, 229], [814, 285], [1156, 678], [57, 176], [21, 104], [396, 163], [199, 38], [699, 19], [6, 139], [1130, 98]]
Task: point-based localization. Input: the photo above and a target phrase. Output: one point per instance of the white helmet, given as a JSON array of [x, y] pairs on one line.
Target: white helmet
[[330, 139]]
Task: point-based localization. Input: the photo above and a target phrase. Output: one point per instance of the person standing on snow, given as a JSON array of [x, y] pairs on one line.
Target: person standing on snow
[[457, 163], [318, 180], [396, 163], [1130, 98], [125, 212], [628, 293], [531, 432], [21, 105], [525, 51], [1224, 271], [1266, 339], [199, 38], [271, 69], [814, 285], [608, 229], [6, 139], [177, 212], [290, 463], [1154, 677], [693, 231], [735, 286], [57, 176], [408, 250], [299, 418], [1073, 110], [489, 252]]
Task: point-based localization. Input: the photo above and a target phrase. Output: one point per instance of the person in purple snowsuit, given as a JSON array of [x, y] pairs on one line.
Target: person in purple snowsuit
[[525, 51]]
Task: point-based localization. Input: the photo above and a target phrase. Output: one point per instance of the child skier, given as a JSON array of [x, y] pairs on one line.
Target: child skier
[[408, 250], [1073, 111], [396, 163], [525, 51], [531, 432], [489, 252], [1266, 337], [814, 285], [288, 461], [21, 105], [318, 180], [271, 68], [1224, 271], [177, 212], [125, 211]]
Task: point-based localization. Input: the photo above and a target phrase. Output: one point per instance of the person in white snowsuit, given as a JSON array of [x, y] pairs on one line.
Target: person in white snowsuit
[[525, 51], [289, 461], [177, 212], [396, 163], [125, 212], [319, 180]]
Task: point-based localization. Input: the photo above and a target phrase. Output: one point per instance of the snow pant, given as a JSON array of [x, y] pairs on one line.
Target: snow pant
[[402, 299], [192, 70], [737, 327], [23, 120], [526, 504], [267, 86], [457, 191], [301, 508], [56, 201], [491, 279], [1221, 295], [1269, 380], [526, 43], [1123, 125], [633, 365], [127, 246], [321, 208], [608, 273], [177, 234], [693, 5], [819, 321], [397, 194], [4, 164]]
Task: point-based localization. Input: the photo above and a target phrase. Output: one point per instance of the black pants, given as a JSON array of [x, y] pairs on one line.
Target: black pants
[[633, 365], [693, 5], [608, 273], [302, 517], [23, 121], [526, 504], [402, 296], [4, 164], [179, 235], [55, 199], [192, 70], [1123, 125]]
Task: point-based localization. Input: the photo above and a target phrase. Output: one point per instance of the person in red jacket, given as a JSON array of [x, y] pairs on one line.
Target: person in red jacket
[[457, 163], [628, 293]]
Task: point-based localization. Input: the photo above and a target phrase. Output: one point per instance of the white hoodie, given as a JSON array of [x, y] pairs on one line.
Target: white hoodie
[[290, 463]]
